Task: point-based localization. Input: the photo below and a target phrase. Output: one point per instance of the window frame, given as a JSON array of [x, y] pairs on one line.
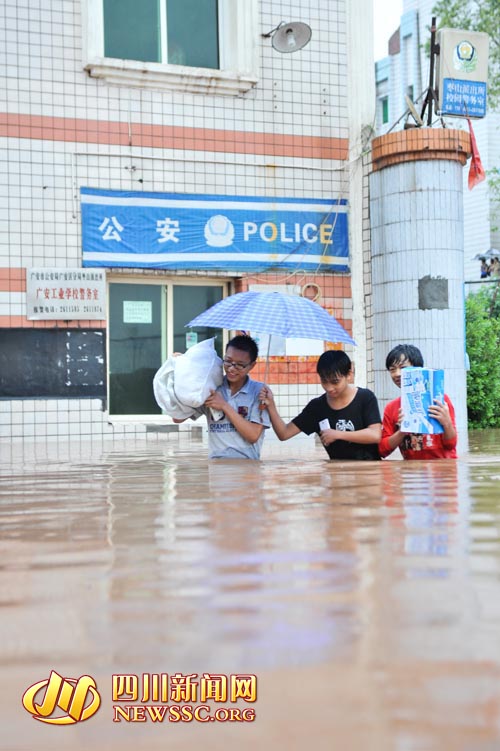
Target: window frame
[[384, 109], [238, 55]]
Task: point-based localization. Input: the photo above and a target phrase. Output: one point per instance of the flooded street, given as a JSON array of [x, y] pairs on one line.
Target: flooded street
[[365, 597]]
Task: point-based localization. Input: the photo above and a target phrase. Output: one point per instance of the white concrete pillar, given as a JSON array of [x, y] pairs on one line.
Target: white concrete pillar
[[416, 220]]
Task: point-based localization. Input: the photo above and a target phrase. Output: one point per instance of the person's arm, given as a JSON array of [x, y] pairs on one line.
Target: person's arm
[[367, 417], [197, 412], [444, 413], [283, 430], [371, 434], [250, 431], [392, 437]]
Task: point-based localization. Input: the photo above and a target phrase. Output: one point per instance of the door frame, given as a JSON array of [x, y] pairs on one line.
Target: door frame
[[227, 284]]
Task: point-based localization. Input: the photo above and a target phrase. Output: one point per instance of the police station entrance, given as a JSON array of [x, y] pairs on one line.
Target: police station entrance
[[146, 324]]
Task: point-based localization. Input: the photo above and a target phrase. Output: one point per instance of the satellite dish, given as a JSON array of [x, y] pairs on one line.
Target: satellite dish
[[290, 37], [413, 110]]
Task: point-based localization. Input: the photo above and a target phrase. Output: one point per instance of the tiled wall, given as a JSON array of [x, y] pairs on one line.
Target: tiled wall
[[367, 274], [61, 129], [417, 239]]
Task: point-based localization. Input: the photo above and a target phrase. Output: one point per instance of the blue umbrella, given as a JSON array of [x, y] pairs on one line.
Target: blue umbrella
[[290, 316]]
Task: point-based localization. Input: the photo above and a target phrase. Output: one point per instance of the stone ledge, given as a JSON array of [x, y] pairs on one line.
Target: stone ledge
[[420, 144]]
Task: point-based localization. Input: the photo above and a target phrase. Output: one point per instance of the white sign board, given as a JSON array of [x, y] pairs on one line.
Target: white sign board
[[137, 311], [191, 339], [59, 294], [462, 72]]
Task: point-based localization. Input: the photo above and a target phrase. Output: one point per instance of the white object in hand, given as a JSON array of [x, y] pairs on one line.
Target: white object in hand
[[324, 424], [217, 414], [184, 382]]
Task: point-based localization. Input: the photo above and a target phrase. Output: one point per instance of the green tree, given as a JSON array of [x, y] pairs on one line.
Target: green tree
[[482, 332]]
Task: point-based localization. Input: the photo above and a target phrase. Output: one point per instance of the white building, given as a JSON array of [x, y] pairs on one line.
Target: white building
[[104, 107]]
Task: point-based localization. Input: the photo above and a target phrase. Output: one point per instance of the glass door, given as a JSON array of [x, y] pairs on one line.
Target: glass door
[[189, 301], [135, 347], [147, 323]]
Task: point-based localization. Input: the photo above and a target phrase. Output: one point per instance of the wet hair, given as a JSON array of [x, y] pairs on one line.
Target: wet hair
[[404, 352], [245, 343], [333, 363]]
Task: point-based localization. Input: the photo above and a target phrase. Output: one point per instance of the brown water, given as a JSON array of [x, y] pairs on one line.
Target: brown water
[[365, 597]]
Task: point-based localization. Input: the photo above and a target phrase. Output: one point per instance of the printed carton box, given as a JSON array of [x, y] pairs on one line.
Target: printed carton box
[[419, 388]]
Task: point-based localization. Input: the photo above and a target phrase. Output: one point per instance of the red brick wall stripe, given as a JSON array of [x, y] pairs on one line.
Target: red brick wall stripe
[[171, 137]]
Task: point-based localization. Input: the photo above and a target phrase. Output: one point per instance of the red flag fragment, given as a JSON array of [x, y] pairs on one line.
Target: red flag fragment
[[476, 170]]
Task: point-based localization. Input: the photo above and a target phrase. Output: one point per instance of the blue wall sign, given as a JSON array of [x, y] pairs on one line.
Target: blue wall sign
[[219, 233], [465, 98]]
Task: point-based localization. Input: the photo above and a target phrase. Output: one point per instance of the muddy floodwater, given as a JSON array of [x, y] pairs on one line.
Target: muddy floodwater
[[363, 597]]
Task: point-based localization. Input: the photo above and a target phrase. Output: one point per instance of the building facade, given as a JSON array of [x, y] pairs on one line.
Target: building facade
[[156, 160]]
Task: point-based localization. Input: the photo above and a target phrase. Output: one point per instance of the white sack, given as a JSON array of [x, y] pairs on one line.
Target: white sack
[[184, 382]]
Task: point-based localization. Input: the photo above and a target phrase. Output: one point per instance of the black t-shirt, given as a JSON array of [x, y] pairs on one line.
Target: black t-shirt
[[361, 412]]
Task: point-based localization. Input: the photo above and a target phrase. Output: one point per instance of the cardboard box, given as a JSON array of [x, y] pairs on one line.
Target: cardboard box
[[419, 388]]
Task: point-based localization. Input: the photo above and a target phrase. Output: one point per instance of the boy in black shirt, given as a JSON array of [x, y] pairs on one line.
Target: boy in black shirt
[[351, 413]]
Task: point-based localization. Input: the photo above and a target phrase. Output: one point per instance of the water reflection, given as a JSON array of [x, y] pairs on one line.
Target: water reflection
[[374, 583]]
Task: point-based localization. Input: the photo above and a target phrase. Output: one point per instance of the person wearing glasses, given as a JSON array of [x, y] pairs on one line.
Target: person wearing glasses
[[239, 432]]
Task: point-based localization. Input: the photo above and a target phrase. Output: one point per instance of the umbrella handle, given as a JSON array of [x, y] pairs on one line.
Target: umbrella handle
[[266, 373]]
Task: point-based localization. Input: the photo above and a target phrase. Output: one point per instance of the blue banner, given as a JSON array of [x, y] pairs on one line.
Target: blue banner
[[464, 98], [219, 233]]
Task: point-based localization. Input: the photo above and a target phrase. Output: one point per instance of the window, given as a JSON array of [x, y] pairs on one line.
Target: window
[[157, 43], [385, 110], [180, 32]]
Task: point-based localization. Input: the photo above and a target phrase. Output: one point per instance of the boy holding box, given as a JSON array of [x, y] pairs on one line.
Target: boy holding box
[[413, 445]]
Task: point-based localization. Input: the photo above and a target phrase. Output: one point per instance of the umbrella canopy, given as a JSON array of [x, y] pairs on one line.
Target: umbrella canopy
[[290, 316], [491, 253]]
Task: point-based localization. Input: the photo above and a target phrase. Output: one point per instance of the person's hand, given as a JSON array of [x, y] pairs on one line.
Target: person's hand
[[441, 412], [266, 397], [401, 417], [328, 436], [216, 401]]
